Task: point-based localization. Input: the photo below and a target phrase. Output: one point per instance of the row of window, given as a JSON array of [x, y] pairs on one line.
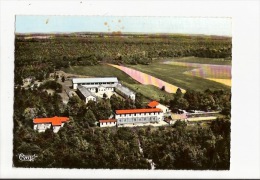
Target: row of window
[[108, 123], [138, 119], [92, 98], [142, 114], [96, 83]]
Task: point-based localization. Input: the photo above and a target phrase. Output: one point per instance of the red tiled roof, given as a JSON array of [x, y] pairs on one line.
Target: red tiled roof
[[153, 104], [131, 111], [107, 120], [55, 121]]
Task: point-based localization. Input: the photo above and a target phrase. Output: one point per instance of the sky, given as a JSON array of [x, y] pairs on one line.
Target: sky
[[182, 25]]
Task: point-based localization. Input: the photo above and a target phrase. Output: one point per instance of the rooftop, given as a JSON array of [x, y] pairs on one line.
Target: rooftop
[[85, 91], [153, 104], [55, 121], [124, 90], [107, 120], [131, 111], [98, 85], [95, 80]]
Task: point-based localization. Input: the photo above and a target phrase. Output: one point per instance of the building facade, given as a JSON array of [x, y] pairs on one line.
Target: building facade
[[91, 88], [85, 94], [135, 116], [94, 82], [107, 123], [41, 124]]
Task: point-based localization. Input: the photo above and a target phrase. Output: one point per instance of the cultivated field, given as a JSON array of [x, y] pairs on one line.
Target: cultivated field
[[218, 72], [148, 79], [177, 75]]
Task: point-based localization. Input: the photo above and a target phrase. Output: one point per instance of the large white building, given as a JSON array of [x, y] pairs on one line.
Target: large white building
[[134, 117], [91, 88], [94, 82]]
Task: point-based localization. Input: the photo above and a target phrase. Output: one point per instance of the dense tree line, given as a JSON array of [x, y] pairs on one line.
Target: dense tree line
[[39, 57], [218, 100], [182, 147], [51, 85], [80, 144]]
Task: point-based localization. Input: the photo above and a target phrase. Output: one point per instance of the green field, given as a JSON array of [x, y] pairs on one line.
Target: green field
[[191, 59], [174, 75], [148, 91]]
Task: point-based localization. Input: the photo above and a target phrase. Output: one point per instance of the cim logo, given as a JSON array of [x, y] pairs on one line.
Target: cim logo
[[23, 157]]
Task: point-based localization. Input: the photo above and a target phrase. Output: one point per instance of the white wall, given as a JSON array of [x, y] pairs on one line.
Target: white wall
[[107, 124], [75, 86], [130, 117], [163, 108], [56, 129]]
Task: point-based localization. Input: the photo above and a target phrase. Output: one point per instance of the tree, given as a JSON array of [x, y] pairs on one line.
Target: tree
[[193, 99], [104, 96], [178, 93], [116, 102], [74, 105], [89, 118], [163, 88], [63, 79]]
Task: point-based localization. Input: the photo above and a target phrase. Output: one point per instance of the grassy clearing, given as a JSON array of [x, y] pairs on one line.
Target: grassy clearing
[[174, 75], [191, 59], [149, 91]]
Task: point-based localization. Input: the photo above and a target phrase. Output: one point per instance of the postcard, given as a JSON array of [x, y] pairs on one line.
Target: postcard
[[122, 93]]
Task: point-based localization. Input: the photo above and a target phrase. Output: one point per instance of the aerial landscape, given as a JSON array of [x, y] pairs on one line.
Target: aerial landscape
[[118, 99]]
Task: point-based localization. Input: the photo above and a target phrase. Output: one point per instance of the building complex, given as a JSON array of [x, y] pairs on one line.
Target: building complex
[[91, 88]]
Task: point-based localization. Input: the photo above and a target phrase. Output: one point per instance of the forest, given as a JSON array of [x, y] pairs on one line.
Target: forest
[[39, 57], [82, 144]]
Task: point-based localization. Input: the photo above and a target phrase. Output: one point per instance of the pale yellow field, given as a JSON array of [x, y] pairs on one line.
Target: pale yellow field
[[227, 82], [195, 119]]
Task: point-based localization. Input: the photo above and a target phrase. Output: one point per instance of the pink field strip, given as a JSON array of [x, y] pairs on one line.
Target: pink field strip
[[147, 79]]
